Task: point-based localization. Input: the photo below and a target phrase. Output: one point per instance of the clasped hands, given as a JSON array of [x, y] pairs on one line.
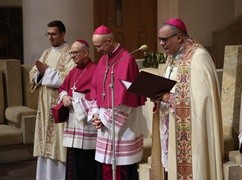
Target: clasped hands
[[41, 67], [96, 121]]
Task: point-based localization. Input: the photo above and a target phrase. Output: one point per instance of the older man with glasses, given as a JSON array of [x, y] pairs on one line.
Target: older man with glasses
[[128, 115], [46, 76], [79, 134], [191, 123]]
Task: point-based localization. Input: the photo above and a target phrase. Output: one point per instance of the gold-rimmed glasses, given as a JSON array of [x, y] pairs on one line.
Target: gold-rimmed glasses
[[74, 53]]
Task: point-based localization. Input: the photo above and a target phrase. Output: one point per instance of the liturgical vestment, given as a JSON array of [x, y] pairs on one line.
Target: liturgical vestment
[[128, 109], [78, 133], [191, 128], [48, 135]]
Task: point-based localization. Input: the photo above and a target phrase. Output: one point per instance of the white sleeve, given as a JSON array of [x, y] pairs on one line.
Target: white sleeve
[[51, 78], [93, 109], [121, 114], [61, 95]]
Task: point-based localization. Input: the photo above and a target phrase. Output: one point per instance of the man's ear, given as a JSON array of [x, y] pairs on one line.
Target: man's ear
[[62, 34], [109, 40], [86, 53], [180, 38]]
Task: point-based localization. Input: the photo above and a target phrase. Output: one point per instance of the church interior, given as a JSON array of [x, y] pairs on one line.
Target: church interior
[[216, 24]]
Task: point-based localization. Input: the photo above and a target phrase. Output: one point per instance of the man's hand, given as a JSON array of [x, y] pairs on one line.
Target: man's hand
[[96, 121], [41, 67], [164, 97], [67, 101]]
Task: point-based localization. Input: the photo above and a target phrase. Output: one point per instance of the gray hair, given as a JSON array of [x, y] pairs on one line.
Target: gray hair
[[84, 46], [173, 28]]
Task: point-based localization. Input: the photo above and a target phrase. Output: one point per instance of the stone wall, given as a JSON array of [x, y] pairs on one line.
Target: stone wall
[[229, 34], [231, 96]]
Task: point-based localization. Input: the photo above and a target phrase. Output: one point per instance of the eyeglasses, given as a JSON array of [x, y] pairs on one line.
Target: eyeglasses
[[48, 34], [100, 46], [164, 40], [74, 53]]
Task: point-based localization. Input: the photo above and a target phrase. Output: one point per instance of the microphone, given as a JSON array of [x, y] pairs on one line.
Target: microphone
[[143, 47]]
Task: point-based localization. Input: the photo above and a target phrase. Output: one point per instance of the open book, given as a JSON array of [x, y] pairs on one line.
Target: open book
[[149, 85]]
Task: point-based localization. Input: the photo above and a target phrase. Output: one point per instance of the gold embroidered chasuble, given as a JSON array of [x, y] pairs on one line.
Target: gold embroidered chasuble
[[48, 135], [195, 147]]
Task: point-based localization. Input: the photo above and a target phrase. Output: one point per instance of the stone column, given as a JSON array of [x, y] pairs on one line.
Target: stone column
[[231, 95], [231, 102]]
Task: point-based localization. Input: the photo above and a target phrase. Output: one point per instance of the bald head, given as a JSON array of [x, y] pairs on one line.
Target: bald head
[[97, 38], [105, 43]]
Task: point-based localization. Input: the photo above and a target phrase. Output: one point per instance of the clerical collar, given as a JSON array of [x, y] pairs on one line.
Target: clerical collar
[[59, 47], [114, 51]]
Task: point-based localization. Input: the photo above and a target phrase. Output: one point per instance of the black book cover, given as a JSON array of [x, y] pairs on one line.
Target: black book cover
[[149, 85]]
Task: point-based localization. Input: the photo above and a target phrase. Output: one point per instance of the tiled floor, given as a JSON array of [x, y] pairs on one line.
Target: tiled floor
[[24, 170]]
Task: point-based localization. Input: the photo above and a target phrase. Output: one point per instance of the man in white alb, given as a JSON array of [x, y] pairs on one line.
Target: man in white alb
[[47, 75]]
